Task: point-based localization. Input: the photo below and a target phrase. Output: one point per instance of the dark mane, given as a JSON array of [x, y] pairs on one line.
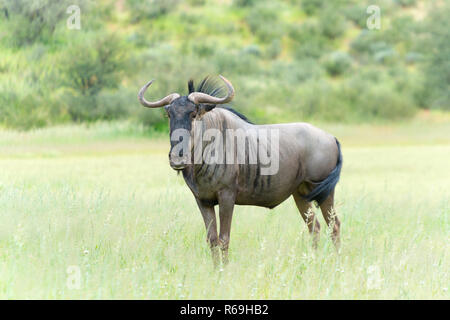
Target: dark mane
[[213, 88], [240, 115]]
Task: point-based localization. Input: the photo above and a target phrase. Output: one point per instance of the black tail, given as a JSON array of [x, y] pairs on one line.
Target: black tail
[[324, 188]]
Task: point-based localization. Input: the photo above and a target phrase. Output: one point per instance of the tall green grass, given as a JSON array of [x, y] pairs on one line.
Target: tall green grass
[[113, 208]]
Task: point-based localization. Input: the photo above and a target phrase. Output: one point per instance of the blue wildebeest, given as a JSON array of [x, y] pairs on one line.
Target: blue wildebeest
[[308, 161]]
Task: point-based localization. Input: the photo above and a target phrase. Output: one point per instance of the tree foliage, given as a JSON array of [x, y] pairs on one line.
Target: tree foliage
[[288, 60]]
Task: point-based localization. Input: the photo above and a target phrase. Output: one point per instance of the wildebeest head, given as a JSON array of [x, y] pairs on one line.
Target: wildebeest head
[[182, 110]]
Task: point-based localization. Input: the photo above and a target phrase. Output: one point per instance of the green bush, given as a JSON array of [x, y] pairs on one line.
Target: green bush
[[115, 104], [356, 13], [149, 9], [402, 30], [106, 105], [234, 63], [24, 106], [93, 64], [252, 49], [87, 68], [363, 42], [264, 22], [311, 6], [296, 72], [386, 56], [368, 96], [386, 103], [308, 41], [203, 49], [382, 95], [31, 21], [436, 49], [413, 57], [369, 46], [139, 39], [274, 49], [197, 2], [245, 3], [155, 119], [332, 22], [337, 63], [406, 3]]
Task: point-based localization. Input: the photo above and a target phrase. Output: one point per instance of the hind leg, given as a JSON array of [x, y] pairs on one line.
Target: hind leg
[[309, 216], [226, 206], [329, 214]]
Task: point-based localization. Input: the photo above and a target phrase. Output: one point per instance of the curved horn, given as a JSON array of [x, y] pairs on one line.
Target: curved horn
[[160, 103], [200, 97]]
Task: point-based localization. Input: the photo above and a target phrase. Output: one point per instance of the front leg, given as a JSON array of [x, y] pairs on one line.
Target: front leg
[[209, 217], [226, 205]]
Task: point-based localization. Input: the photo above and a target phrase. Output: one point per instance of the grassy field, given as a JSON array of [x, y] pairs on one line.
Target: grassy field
[[103, 200]]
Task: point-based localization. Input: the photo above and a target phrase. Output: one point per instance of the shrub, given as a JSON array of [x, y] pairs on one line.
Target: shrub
[[274, 49], [30, 21], [245, 3], [311, 6], [386, 103], [252, 49], [115, 103], [387, 55], [87, 68], [362, 43], [365, 96], [139, 39], [406, 3], [357, 14], [436, 49], [371, 47], [106, 105], [22, 106], [332, 23], [295, 72], [264, 22], [93, 64], [149, 9], [319, 100], [155, 119], [402, 30], [413, 57], [238, 64], [378, 94], [337, 63], [197, 2], [309, 41]]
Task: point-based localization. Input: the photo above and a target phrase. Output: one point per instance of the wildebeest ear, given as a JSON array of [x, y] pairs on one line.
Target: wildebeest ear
[[204, 108], [209, 107]]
